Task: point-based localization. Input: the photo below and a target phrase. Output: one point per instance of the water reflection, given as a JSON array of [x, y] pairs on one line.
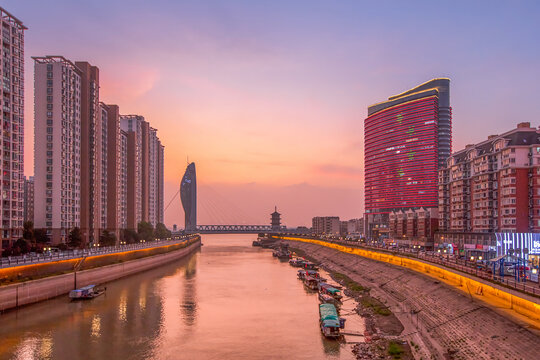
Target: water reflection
[[188, 304], [228, 301]]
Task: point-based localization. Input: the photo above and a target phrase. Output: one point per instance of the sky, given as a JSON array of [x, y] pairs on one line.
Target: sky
[[269, 98]]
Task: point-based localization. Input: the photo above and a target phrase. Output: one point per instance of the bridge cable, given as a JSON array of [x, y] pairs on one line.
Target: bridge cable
[[170, 202]]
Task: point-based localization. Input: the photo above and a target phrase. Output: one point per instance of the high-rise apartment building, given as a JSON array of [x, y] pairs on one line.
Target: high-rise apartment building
[[122, 184], [145, 155], [57, 146], [113, 165], [489, 188], [29, 199], [161, 184], [407, 138], [326, 225], [133, 126], [155, 178], [12, 141], [91, 155]]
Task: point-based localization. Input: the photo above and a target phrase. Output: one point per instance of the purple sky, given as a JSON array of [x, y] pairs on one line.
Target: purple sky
[[269, 98]]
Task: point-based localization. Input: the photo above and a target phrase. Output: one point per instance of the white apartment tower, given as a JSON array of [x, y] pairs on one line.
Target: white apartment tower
[[57, 146], [12, 139]]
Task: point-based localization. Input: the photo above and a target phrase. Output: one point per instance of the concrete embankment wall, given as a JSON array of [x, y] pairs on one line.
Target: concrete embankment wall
[[490, 293], [12, 296], [40, 270]]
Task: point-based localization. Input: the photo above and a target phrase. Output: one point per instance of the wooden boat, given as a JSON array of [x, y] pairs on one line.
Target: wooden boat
[[310, 266], [327, 299], [330, 290], [296, 262], [311, 282], [329, 321], [303, 273], [87, 292]]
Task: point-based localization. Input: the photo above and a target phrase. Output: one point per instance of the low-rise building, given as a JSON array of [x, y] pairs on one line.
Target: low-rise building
[[326, 225]]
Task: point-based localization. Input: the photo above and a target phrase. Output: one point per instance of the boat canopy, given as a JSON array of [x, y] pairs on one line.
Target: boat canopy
[[331, 323], [328, 312], [332, 290]]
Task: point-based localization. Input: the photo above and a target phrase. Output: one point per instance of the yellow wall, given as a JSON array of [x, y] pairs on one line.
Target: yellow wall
[[487, 293], [35, 271]]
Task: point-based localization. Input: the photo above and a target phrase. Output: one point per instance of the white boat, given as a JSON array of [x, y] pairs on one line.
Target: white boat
[[87, 292]]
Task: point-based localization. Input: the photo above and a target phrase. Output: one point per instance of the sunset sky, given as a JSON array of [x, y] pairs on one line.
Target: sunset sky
[[269, 97]]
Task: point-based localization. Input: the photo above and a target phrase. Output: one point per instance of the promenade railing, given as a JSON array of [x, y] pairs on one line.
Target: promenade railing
[[49, 256], [449, 261]]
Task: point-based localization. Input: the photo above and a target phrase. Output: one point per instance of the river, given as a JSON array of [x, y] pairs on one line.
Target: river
[[226, 301]]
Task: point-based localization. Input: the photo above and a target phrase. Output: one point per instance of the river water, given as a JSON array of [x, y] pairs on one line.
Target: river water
[[226, 301]]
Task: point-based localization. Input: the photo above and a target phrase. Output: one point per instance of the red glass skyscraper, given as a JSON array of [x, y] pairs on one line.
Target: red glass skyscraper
[[407, 138]]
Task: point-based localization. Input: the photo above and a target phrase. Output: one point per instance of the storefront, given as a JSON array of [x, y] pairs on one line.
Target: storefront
[[523, 245]]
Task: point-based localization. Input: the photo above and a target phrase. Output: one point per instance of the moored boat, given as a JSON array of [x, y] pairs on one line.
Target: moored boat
[[297, 262], [327, 299], [310, 266], [329, 320], [330, 290], [311, 282], [87, 292], [303, 273]]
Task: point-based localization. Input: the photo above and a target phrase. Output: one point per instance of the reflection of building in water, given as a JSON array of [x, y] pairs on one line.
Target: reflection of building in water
[[189, 301]]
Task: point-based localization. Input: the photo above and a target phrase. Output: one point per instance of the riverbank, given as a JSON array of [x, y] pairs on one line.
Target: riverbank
[[19, 274], [438, 321], [103, 268]]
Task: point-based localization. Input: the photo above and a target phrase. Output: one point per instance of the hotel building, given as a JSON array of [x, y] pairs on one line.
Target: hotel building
[[407, 138], [12, 139], [491, 190]]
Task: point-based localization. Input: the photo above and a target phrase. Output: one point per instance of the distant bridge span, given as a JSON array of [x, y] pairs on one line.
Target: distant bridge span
[[233, 229]]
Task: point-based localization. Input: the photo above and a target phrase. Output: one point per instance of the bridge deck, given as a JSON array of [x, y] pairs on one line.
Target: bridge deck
[[233, 229]]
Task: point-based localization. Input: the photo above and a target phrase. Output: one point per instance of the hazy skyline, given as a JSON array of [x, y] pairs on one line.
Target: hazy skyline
[[269, 98]]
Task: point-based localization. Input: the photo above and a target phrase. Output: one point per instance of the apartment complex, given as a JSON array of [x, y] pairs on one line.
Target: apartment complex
[[93, 167], [489, 188], [12, 141], [326, 225], [28, 214], [407, 138]]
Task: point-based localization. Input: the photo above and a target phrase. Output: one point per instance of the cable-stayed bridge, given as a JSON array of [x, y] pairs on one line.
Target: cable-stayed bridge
[[226, 217], [233, 229]]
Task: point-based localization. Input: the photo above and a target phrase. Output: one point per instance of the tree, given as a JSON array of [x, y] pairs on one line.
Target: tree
[[28, 231], [107, 238], [145, 230], [131, 236], [22, 246], [75, 237], [41, 236], [162, 232]]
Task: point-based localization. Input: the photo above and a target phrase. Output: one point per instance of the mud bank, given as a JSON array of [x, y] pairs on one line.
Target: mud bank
[[438, 321]]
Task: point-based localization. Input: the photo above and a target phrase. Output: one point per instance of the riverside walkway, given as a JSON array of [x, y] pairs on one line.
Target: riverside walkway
[[465, 266], [22, 260]]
